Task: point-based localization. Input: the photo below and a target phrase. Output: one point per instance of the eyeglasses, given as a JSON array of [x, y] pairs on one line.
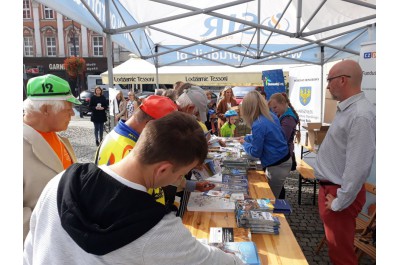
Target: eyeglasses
[[331, 78]]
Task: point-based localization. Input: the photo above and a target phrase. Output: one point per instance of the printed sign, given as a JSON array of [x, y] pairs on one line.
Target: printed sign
[[274, 82]]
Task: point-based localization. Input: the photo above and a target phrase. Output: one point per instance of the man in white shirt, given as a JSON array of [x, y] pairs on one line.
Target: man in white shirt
[[344, 161]]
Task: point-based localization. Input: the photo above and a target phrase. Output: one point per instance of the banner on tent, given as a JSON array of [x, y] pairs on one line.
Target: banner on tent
[[217, 79], [274, 82], [305, 93], [368, 66]]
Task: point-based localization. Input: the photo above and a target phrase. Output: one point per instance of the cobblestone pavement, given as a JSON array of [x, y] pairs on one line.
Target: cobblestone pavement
[[304, 221]]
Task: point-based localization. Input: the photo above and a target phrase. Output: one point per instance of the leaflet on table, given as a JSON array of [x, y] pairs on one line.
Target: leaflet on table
[[282, 206], [229, 234], [234, 171], [210, 171], [235, 179], [233, 197], [202, 203], [216, 193], [246, 251], [234, 188]]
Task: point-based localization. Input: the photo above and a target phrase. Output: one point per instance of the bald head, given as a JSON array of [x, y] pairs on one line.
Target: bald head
[[344, 79], [351, 68]]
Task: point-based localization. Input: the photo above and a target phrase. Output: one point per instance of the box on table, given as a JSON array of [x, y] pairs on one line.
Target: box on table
[[316, 132]]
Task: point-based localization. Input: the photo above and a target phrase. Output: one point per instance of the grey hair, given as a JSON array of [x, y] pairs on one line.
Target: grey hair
[[35, 105], [159, 91], [184, 101]]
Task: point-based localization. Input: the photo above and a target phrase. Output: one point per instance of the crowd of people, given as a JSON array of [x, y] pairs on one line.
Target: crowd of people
[[120, 208]]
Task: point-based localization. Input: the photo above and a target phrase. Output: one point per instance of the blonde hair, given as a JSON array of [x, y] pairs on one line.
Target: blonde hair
[[121, 94], [282, 98], [226, 89], [254, 105]]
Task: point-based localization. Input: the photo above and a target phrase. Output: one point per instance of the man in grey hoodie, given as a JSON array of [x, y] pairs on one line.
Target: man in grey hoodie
[[104, 215]]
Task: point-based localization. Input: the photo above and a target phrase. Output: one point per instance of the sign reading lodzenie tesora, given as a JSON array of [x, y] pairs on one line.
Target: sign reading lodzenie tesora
[[198, 79]]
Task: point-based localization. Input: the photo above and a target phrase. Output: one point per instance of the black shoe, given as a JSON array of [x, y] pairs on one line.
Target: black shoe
[[97, 143]]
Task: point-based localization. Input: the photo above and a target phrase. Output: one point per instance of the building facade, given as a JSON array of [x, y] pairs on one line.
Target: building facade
[[49, 38]]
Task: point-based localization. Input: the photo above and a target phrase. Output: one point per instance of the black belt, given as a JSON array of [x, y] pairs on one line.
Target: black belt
[[284, 159], [327, 183]]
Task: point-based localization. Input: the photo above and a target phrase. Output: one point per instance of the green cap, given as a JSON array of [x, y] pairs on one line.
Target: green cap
[[50, 87]]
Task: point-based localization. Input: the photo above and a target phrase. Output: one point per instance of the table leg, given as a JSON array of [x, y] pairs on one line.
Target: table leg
[[315, 191], [299, 196]]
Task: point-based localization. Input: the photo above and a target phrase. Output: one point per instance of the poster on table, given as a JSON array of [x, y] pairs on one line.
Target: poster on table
[[305, 92], [368, 65], [274, 82]]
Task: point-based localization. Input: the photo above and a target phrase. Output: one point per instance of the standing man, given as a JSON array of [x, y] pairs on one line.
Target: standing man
[[344, 161], [47, 110]]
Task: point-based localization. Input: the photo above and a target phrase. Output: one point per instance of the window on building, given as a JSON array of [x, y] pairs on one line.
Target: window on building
[[72, 48], [26, 10], [28, 46], [48, 13], [97, 46], [51, 48]]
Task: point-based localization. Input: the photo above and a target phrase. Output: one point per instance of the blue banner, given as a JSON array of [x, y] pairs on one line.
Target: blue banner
[[274, 82]]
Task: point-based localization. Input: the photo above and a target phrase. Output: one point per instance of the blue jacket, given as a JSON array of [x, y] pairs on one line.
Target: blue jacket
[[267, 141]]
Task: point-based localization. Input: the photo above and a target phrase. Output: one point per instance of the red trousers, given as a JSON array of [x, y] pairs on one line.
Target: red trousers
[[340, 226]]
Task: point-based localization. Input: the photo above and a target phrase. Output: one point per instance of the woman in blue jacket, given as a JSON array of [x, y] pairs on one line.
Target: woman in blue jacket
[[267, 141]]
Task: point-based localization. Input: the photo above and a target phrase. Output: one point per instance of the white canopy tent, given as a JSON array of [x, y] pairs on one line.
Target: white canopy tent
[[235, 33]]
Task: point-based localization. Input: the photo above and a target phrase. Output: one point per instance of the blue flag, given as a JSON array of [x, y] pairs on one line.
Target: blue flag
[[274, 82]]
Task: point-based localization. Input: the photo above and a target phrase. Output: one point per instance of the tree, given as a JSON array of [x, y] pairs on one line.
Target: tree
[[75, 67]]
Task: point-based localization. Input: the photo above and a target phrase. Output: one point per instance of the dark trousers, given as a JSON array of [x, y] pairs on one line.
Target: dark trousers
[[98, 130]]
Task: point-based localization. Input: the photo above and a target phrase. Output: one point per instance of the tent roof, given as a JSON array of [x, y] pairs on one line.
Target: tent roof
[[225, 32]]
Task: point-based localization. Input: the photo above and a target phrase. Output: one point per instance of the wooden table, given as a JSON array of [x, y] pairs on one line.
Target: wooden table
[[306, 173], [272, 249]]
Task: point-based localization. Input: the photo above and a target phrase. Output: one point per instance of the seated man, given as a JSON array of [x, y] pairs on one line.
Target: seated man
[[103, 214]]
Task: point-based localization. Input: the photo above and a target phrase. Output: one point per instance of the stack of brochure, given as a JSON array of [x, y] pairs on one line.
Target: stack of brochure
[[256, 215]]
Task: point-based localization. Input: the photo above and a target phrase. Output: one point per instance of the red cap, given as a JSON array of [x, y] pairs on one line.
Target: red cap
[[158, 106]]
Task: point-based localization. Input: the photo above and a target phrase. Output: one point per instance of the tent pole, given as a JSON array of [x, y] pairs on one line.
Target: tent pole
[[109, 51], [322, 83], [258, 30], [156, 50]]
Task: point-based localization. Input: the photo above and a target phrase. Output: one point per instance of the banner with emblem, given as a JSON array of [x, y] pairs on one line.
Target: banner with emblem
[[305, 92]]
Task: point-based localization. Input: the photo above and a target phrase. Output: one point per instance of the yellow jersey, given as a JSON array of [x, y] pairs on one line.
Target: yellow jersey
[[117, 144]]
